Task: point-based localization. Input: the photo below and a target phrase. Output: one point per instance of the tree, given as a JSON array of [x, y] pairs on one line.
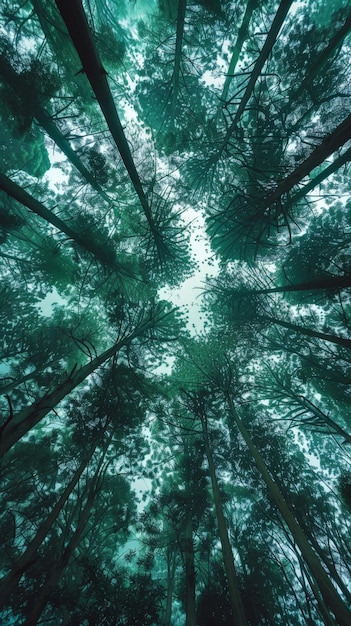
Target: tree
[[197, 405], [266, 49], [105, 257], [22, 86], [152, 473], [16, 426], [330, 596]]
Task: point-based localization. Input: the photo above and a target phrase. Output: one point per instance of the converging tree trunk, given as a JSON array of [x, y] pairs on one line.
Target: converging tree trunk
[[8, 74], [22, 422], [75, 19], [178, 56], [330, 144], [330, 596], [277, 24], [11, 188], [321, 59], [241, 38], [57, 570], [196, 404], [228, 559], [329, 283], [171, 569], [10, 582], [190, 607], [328, 171], [339, 341]]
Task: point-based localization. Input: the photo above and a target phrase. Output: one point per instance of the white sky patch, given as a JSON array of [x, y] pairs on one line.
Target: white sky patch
[[55, 176], [45, 306], [189, 294]]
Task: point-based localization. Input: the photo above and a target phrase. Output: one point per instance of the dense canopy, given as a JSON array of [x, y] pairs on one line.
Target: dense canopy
[[175, 363]]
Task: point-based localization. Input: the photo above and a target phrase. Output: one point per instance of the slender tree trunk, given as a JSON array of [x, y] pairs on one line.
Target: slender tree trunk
[[330, 596], [11, 188], [322, 418], [331, 568], [328, 171], [277, 24], [178, 56], [76, 22], [241, 38], [340, 341], [21, 423], [15, 81], [190, 606], [55, 134], [330, 283], [322, 58], [322, 607], [171, 568], [15, 383], [10, 582], [56, 572], [330, 144], [228, 559]]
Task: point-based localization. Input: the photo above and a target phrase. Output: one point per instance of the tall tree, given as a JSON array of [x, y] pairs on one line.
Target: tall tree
[[21, 423], [197, 404]]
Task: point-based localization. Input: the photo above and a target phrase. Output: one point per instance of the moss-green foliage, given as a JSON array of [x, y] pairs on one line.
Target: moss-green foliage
[[28, 153], [149, 458]]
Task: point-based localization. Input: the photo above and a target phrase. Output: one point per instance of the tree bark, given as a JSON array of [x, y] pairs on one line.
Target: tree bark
[[228, 559], [77, 25], [10, 582], [330, 596], [21, 423], [277, 23], [13, 190], [9, 75]]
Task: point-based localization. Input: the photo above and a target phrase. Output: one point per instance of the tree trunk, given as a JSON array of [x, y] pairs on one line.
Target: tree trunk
[[15, 191], [330, 144], [321, 418], [178, 55], [228, 559], [55, 134], [322, 59], [56, 572], [277, 23], [15, 383], [10, 582], [329, 283], [21, 423], [190, 606], [15, 81], [241, 37], [171, 568], [77, 25], [328, 171], [340, 341], [328, 592]]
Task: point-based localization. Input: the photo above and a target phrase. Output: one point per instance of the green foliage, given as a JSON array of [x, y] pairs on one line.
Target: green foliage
[[163, 439]]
